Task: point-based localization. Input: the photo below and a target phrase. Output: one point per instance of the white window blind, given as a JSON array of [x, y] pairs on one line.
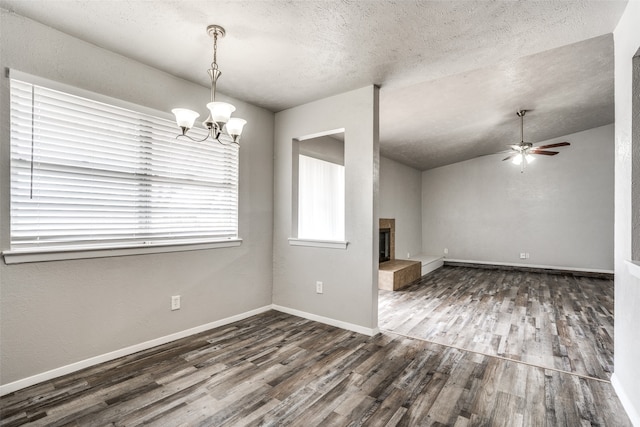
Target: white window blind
[[320, 199], [88, 174]]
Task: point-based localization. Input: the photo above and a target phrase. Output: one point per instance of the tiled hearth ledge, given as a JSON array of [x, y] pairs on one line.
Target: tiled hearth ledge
[[634, 268]]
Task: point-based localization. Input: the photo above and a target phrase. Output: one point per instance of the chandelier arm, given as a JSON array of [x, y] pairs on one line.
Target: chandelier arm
[[217, 138], [193, 139], [228, 143]]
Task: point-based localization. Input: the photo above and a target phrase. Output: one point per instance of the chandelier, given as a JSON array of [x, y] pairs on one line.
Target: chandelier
[[219, 112]]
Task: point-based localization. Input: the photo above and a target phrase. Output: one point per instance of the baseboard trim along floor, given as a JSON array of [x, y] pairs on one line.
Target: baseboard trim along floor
[[82, 364], [627, 404], [531, 268], [328, 321]]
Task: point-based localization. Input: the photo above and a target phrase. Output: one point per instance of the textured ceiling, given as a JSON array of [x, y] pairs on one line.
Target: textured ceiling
[[459, 117], [452, 73]]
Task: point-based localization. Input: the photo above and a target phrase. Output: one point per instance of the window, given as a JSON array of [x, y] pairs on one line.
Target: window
[[86, 174], [318, 196]]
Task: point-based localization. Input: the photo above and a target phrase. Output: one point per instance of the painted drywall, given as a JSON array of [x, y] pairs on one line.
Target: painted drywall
[[560, 210], [400, 198], [349, 275], [626, 377], [325, 148], [61, 312]]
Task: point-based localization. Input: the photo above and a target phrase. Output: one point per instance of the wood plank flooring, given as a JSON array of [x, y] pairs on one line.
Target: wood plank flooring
[[555, 321], [275, 369]]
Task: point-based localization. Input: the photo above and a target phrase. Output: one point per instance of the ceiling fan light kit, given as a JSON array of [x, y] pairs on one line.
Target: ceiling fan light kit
[[519, 159], [523, 152], [219, 112]]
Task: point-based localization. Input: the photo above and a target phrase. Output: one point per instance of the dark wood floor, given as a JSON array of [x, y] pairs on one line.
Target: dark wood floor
[[275, 369], [549, 320]]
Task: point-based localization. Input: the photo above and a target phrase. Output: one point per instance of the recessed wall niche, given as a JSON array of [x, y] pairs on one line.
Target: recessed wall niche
[[318, 179]]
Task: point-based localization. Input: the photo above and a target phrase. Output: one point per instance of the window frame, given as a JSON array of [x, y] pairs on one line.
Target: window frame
[[15, 255]]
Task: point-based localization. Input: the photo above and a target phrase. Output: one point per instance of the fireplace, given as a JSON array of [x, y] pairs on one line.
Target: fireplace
[[385, 244], [387, 229]]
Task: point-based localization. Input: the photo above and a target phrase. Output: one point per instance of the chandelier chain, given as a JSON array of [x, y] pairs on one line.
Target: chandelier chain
[[214, 65]]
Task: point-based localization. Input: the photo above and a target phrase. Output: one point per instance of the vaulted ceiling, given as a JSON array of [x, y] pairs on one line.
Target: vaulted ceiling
[[452, 73]]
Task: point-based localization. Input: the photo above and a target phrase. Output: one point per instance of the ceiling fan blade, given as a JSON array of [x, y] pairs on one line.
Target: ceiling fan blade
[[515, 147], [510, 157], [546, 153], [558, 144]]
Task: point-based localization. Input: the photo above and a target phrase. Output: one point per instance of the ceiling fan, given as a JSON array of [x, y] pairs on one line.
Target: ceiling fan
[[522, 153]]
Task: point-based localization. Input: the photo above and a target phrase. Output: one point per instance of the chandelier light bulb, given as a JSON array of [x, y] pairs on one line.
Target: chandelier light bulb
[[220, 111], [185, 117], [234, 127]]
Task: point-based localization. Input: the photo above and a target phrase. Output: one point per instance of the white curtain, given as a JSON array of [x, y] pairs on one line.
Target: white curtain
[[320, 199]]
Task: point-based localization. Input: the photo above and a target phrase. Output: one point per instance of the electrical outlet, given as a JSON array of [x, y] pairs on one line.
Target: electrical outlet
[[408, 255], [523, 255], [175, 302], [319, 287], [446, 251]]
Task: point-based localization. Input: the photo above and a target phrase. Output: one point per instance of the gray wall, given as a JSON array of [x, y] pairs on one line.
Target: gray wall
[[349, 275], [626, 378], [560, 210], [400, 198], [60, 312], [325, 148]]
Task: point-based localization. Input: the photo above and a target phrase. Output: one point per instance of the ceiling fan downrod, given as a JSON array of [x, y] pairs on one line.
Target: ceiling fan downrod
[[521, 113]]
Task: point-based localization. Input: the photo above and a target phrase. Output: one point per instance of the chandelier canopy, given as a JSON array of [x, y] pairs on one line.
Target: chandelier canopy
[[219, 112]]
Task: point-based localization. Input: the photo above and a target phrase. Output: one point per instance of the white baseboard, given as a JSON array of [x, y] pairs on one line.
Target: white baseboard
[[328, 321], [429, 262], [432, 266], [547, 267], [74, 367], [632, 412]]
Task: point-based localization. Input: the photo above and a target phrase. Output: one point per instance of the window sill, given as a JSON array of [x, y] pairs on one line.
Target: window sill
[[634, 268], [41, 255], [331, 244]]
